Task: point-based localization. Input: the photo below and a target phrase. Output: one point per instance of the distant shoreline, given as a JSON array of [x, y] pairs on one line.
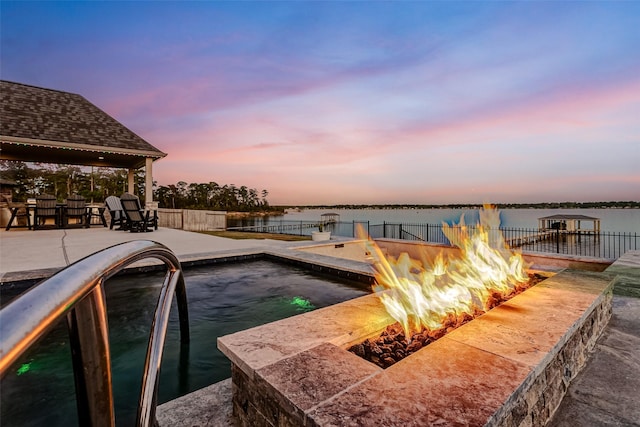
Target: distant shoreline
[[253, 214], [549, 205]]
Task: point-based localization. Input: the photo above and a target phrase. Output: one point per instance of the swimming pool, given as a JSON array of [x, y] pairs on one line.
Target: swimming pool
[[222, 299]]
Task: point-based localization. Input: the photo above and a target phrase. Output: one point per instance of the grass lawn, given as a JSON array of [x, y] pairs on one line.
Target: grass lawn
[[248, 235]]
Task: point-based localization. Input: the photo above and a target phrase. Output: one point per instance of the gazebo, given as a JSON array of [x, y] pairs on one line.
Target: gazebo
[[51, 126]]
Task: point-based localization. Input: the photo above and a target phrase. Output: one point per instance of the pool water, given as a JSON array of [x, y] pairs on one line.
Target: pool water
[[39, 390]]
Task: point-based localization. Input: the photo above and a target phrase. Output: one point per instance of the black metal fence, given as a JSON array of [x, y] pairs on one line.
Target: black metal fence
[[608, 245]]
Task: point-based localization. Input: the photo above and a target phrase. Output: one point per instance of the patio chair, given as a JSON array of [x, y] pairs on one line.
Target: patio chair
[[45, 209], [153, 214], [18, 211], [76, 208], [137, 219], [115, 211]]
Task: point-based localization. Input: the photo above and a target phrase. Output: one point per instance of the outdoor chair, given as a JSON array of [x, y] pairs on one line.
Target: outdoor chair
[[115, 211], [153, 215], [45, 209], [18, 211], [75, 208], [138, 220]]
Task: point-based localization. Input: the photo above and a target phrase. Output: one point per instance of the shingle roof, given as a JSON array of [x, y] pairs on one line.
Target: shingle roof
[[52, 118], [570, 216]]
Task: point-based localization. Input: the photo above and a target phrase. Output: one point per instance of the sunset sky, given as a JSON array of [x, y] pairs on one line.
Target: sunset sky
[[357, 102]]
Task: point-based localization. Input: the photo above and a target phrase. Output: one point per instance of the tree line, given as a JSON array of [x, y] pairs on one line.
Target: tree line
[[619, 204], [212, 196], [96, 184]]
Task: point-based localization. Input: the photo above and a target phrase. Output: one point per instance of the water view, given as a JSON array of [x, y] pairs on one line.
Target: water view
[[612, 220]]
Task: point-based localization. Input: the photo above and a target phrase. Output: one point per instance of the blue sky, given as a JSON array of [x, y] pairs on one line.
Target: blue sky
[[357, 102]]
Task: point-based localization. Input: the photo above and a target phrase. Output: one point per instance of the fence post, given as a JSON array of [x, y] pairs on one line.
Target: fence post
[[558, 240], [384, 229], [400, 231]]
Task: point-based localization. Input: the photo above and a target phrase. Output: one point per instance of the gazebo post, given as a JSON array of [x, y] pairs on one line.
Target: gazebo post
[[148, 181], [130, 179]]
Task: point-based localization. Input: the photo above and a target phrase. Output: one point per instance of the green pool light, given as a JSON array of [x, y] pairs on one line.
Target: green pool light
[[301, 303], [24, 368]]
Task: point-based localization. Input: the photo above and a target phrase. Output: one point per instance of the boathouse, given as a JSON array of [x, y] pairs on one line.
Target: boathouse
[[569, 223], [329, 218]]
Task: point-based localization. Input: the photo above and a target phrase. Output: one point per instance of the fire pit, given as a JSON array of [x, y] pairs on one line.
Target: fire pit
[[510, 366], [392, 345]]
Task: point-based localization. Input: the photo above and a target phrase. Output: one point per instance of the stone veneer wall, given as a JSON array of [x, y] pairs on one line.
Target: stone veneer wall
[[254, 404], [542, 393]]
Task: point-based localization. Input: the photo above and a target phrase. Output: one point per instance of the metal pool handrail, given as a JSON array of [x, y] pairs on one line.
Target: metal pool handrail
[[77, 292]]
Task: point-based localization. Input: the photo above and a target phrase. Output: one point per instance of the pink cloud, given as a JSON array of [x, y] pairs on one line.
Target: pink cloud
[[568, 110]]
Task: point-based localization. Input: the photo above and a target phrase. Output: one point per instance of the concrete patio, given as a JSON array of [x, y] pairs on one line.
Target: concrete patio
[[37, 254], [604, 393]]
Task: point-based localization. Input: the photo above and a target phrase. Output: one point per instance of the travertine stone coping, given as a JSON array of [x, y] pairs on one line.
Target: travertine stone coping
[[510, 366], [627, 267], [629, 260], [339, 324]]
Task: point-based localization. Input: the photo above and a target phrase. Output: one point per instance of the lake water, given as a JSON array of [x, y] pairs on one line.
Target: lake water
[[611, 220]]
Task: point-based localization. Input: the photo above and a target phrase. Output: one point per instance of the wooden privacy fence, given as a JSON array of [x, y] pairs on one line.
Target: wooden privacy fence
[[192, 220]]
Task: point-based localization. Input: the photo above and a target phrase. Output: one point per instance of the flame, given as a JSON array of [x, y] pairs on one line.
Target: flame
[[423, 294]]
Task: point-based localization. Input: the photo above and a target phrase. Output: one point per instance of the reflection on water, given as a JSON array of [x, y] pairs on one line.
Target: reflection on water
[[222, 300]]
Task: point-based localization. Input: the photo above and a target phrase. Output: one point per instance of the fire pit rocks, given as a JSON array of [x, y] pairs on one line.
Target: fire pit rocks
[[510, 367]]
